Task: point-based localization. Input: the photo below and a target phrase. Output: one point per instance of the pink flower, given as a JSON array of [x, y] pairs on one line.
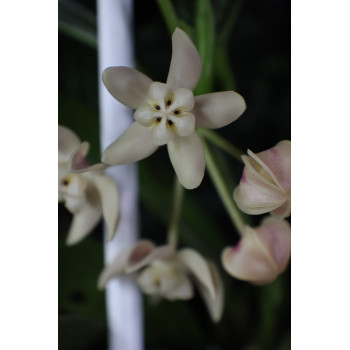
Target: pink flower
[[163, 272], [266, 182], [89, 195], [262, 254], [168, 113]]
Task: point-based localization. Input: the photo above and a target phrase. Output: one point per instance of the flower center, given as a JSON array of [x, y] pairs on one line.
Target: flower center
[[167, 112]]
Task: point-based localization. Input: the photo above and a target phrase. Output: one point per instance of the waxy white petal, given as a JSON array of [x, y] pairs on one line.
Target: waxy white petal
[[127, 85], [183, 290], [188, 159], [116, 268], [218, 109], [109, 198], [133, 145], [198, 267], [185, 66], [67, 143], [215, 305], [83, 222], [162, 133]]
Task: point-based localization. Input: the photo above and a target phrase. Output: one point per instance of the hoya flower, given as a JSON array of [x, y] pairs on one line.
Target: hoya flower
[[168, 113], [164, 273], [89, 195], [262, 254], [266, 182]]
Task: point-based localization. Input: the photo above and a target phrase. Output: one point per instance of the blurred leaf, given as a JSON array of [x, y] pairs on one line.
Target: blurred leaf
[[80, 333], [79, 268]]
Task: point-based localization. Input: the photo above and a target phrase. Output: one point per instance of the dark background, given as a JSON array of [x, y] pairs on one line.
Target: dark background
[[259, 56]]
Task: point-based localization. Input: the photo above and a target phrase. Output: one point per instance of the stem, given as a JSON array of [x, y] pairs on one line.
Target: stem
[[169, 14], [224, 193], [174, 221], [222, 143]]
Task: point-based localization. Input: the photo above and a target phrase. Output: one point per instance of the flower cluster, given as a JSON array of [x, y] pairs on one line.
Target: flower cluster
[[264, 252]]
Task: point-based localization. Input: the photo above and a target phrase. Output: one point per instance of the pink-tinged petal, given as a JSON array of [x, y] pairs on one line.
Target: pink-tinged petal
[[188, 159], [262, 254], [133, 145], [184, 125], [218, 109], [83, 222], [283, 211], [278, 160], [185, 66], [67, 143], [116, 268], [199, 268], [215, 305], [256, 196], [127, 85], [79, 164], [109, 198], [162, 133], [146, 253]]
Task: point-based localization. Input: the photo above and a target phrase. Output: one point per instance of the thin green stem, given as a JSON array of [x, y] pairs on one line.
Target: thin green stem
[[169, 14], [222, 143], [223, 191], [175, 215]]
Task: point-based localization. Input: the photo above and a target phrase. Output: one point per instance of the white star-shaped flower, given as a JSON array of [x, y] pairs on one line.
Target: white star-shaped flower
[[168, 113]]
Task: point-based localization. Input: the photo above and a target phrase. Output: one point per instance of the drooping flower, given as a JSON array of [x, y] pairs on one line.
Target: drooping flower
[[168, 113], [262, 254], [163, 272], [265, 185], [89, 195]]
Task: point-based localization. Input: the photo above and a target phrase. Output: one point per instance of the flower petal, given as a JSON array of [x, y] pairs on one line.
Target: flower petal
[[162, 133], [67, 143], [116, 268], [218, 109], [79, 164], [133, 145], [145, 254], [215, 305], [109, 198], [185, 66], [198, 267], [278, 160], [83, 222], [255, 196], [262, 254], [183, 290], [127, 85], [188, 159]]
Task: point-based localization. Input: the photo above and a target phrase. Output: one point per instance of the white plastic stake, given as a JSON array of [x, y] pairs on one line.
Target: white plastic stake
[[123, 299]]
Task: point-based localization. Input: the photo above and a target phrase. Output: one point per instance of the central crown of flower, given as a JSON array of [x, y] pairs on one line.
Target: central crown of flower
[[168, 112]]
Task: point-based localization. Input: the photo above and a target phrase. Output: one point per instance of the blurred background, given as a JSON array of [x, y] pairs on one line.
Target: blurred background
[[254, 60]]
